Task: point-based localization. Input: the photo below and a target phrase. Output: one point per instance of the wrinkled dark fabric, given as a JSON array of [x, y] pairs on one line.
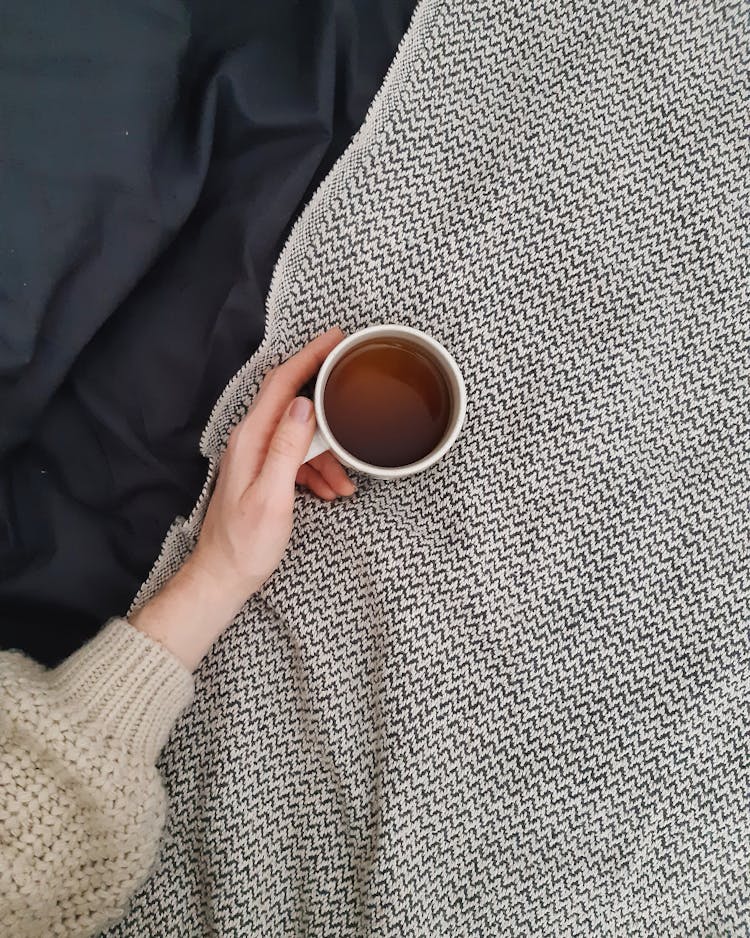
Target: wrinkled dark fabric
[[153, 157]]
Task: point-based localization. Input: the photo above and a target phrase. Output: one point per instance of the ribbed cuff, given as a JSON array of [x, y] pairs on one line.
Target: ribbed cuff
[[126, 685]]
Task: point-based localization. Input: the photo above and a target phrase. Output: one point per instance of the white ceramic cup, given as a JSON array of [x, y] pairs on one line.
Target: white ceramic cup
[[325, 440]]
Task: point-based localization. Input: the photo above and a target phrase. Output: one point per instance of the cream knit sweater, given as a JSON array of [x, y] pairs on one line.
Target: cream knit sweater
[[82, 805]]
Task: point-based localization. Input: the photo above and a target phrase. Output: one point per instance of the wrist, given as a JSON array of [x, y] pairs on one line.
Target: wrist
[[215, 585], [190, 612]]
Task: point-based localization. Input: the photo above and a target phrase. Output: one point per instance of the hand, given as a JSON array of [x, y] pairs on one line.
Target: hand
[[249, 518]]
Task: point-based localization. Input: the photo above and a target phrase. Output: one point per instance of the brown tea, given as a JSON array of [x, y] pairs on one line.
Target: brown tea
[[387, 402]]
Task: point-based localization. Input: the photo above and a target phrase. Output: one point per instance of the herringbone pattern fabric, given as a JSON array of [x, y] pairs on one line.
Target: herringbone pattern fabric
[[509, 696]]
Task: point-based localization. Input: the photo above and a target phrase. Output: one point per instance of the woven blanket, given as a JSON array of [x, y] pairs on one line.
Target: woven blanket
[[509, 696]]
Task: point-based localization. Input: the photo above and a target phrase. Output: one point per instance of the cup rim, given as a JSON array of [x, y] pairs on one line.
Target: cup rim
[[389, 472]]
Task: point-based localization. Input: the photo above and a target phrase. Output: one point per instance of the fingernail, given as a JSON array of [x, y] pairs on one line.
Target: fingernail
[[301, 409]]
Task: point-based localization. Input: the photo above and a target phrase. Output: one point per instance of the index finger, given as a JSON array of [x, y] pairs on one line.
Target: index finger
[[283, 383], [249, 441]]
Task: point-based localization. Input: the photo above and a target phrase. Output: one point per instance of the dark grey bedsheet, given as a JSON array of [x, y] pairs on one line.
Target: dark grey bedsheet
[[153, 157]]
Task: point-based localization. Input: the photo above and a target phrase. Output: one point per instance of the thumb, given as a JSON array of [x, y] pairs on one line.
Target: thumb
[[288, 447]]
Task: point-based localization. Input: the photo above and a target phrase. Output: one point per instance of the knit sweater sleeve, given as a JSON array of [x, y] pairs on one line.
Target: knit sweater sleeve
[[82, 805]]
